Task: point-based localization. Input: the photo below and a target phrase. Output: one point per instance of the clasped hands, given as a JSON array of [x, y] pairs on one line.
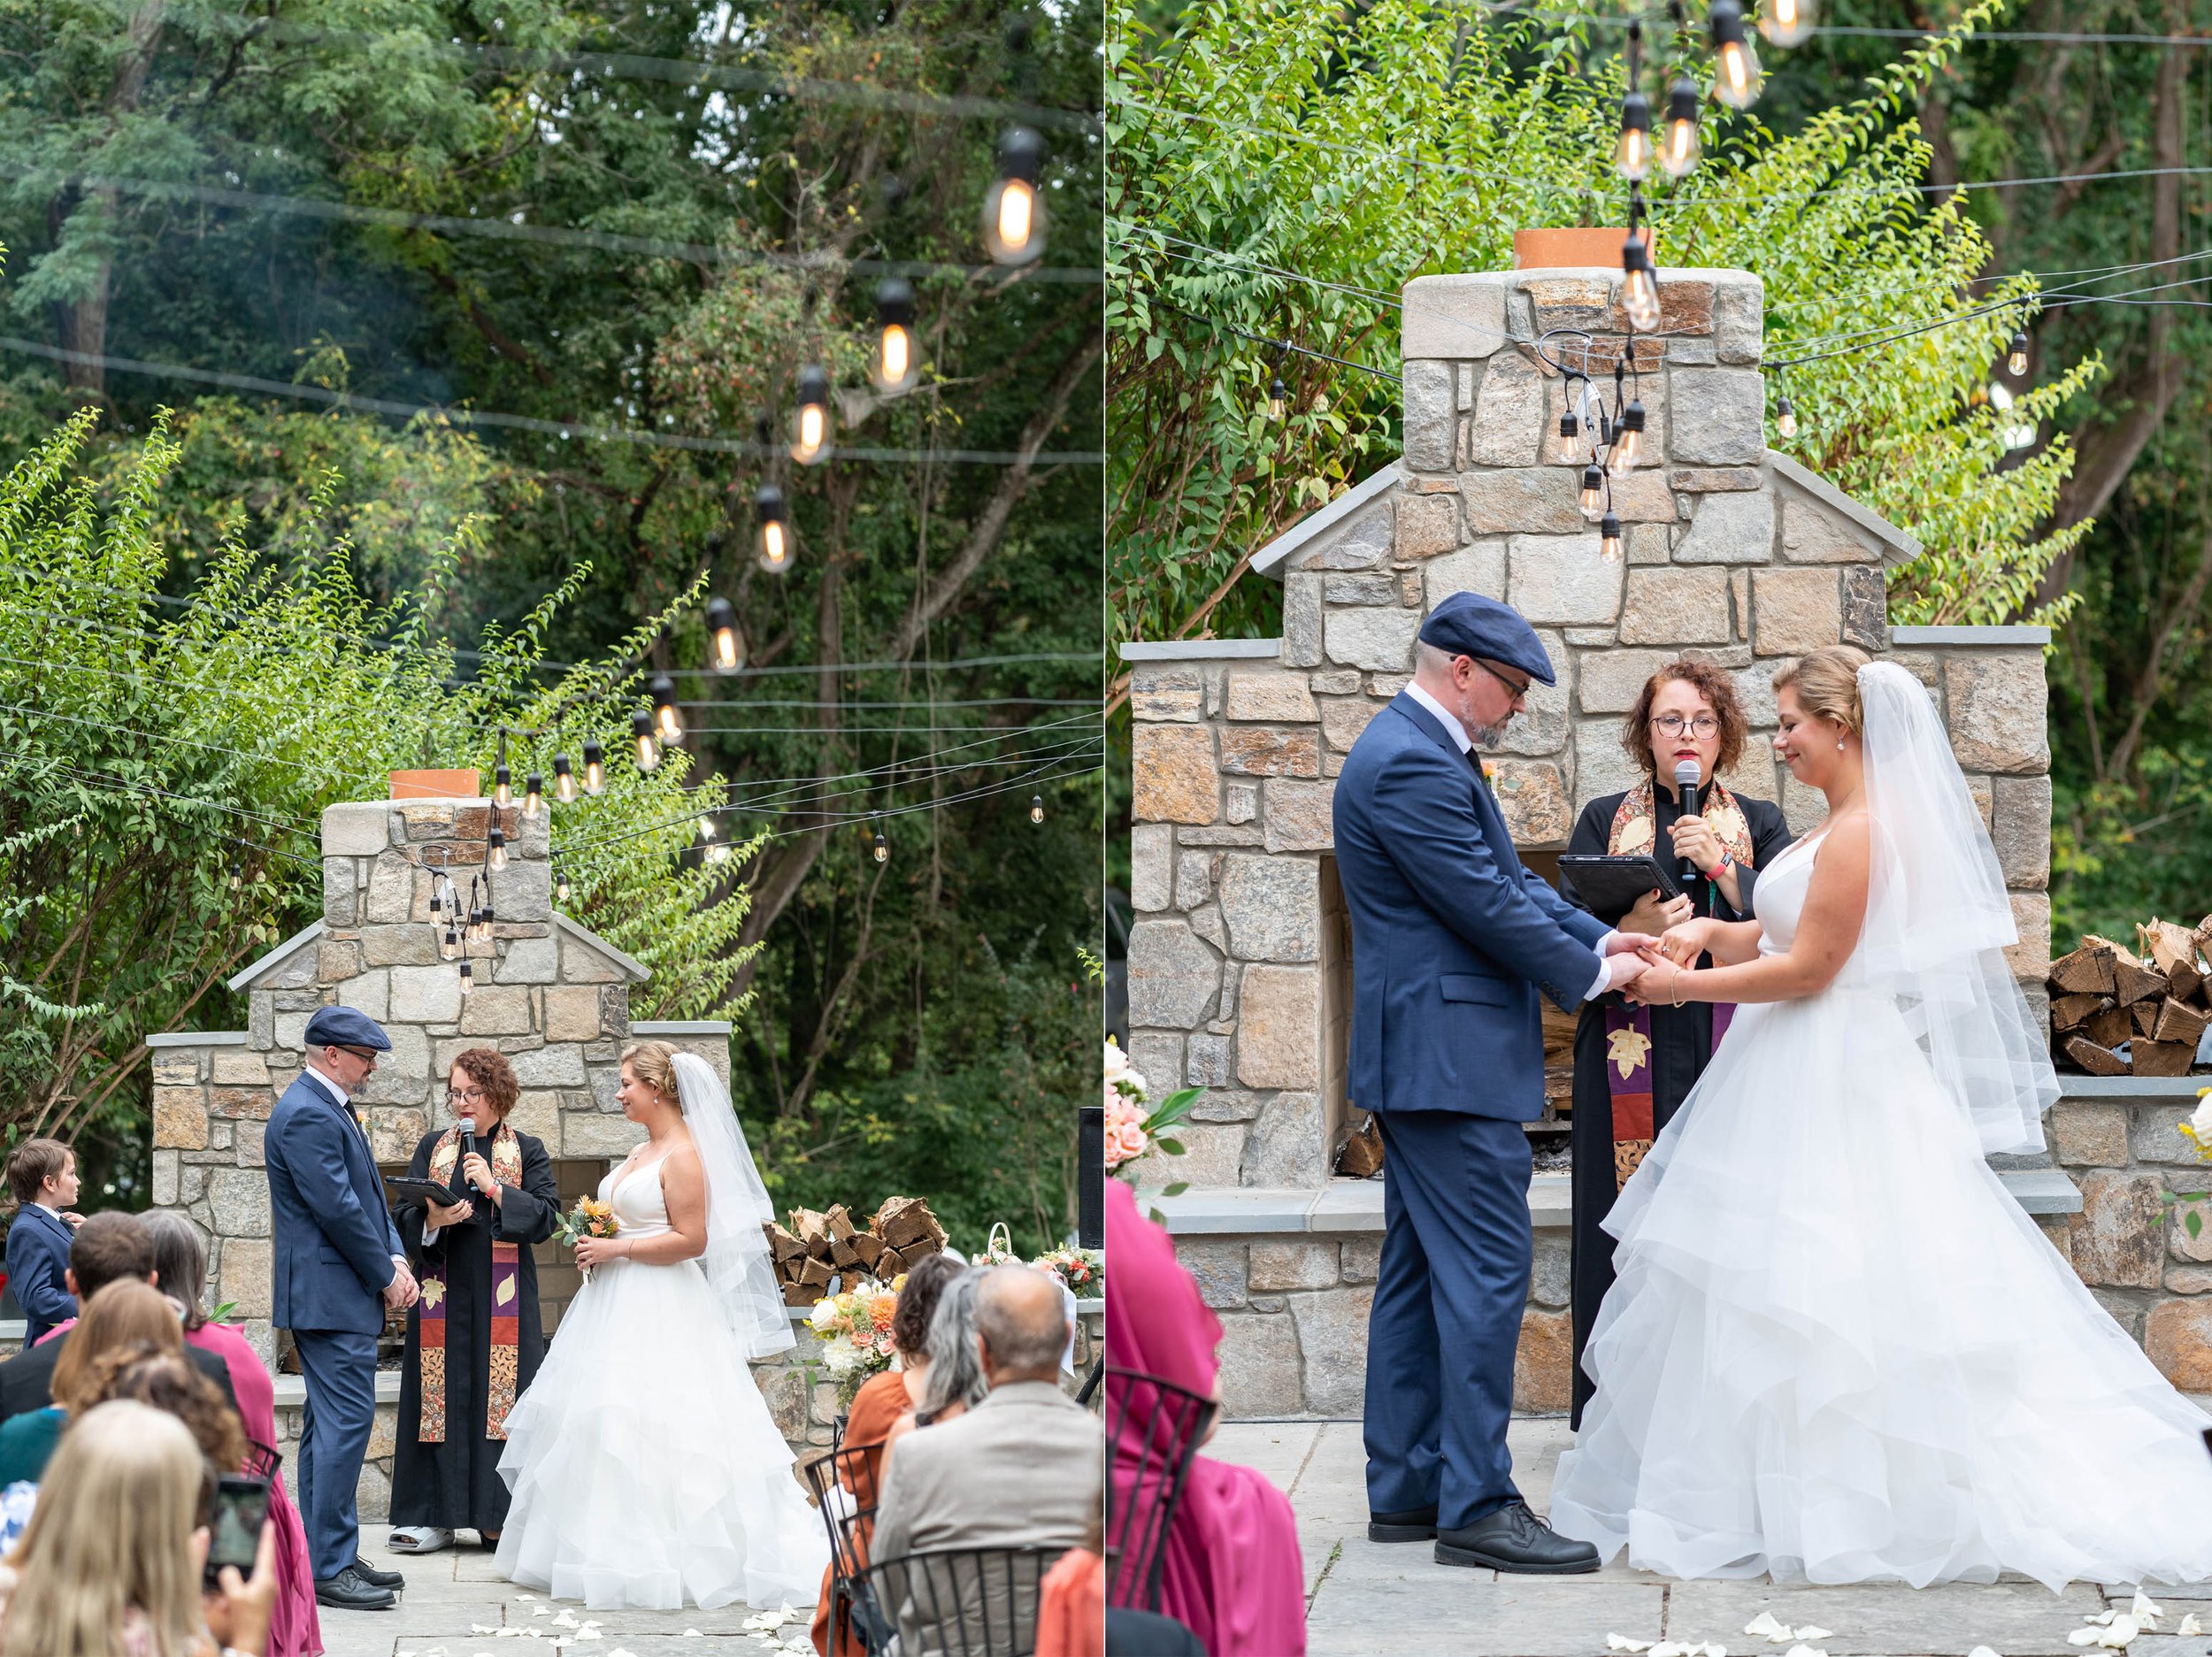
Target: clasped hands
[[1648, 970]]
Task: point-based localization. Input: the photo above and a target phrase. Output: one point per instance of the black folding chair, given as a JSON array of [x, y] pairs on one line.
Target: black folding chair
[[1153, 1430], [959, 1602], [1086, 1394], [843, 1484]]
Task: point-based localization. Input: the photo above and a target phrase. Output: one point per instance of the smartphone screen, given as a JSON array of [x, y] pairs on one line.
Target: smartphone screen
[[241, 1504]]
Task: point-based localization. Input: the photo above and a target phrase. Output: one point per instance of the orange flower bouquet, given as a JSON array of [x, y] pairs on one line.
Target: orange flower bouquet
[[855, 1329], [590, 1217]]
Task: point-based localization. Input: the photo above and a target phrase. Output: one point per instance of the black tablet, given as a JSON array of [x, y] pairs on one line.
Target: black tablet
[[400, 1188], [1612, 885]]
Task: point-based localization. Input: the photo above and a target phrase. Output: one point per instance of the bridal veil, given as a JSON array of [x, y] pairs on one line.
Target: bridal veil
[[736, 1262]]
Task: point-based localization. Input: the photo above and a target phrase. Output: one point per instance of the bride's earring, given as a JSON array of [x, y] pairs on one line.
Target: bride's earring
[[1839, 745]]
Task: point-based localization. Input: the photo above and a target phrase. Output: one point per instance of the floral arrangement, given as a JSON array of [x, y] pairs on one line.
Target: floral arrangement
[[1082, 1269], [2198, 1132], [1131, 1131], [590, 1217], [855, 1329]]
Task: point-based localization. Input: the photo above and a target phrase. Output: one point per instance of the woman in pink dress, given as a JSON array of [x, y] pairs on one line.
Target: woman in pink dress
[[180, 1267], [1232, 1574]]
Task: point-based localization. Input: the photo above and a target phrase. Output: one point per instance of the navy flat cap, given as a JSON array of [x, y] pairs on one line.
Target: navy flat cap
[[1468, 624], [343, 1027]]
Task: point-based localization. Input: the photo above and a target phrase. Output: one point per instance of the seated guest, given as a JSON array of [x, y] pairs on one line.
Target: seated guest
[[1022, 1469], [474, 1341], [108, 1247], [952, 1380], [1232, 1573], [42, 1173], [877, 1406], [180, 1267], [167, 1382], [111, 1563], [124, 1322]]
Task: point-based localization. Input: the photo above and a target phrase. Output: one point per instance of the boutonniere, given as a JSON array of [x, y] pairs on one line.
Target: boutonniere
[[1489, 771]]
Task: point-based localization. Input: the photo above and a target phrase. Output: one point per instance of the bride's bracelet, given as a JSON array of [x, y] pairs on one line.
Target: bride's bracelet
[[1674, 984]]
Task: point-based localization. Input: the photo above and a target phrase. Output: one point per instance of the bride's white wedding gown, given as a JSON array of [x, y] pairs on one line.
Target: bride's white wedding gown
[[1837, 1350], [646, 1470]]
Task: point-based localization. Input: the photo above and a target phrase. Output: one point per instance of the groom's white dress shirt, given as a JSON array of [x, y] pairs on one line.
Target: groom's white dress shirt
[[1465, 744]]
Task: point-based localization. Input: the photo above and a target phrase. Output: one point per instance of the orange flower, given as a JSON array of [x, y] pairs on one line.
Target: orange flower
[[881, 1310]]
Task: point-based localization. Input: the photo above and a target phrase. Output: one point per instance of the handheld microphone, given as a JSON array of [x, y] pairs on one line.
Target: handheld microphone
[[468, 1150], [1686, 786]]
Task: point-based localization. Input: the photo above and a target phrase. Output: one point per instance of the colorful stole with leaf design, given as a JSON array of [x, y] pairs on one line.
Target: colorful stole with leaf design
[[506, 1335], [1628, 1028]]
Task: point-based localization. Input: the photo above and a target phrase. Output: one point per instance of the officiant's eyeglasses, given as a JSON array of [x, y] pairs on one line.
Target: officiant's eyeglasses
[[473, 1096], [1675, 725]]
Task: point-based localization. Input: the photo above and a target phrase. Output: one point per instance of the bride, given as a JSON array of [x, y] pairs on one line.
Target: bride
[[1837, 1350], [646, 1470]]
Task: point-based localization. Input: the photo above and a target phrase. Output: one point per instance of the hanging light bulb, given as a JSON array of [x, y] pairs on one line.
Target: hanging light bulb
[[2018, 361], [468, 979], [1631, 156], [495, 859], [649, 752], [595, 768], [484, 926], [1609, 538], [773, 539], [534, 797], [237, 878], [1277, 397], [1787, 22], [1569, 427], [1013, 213], [560, 885], [1639, 289], [726, 653], [503, 791], [883, 847], [1785, 416], [1678, 145], [1036, 808], [449, 946], [810, 424], [1593, 500], [666, 720], [1628, 439], [892, 367], [1735, 66], [563, 781]]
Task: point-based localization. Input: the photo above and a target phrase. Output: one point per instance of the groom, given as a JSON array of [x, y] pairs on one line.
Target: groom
[[339, 1266], [1452, 940]]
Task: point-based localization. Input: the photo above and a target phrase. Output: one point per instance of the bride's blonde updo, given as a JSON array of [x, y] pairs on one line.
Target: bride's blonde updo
[[654, 1064], [1827, 683]]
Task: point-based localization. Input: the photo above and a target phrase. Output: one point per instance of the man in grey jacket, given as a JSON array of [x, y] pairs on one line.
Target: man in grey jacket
[[1023, 1468]]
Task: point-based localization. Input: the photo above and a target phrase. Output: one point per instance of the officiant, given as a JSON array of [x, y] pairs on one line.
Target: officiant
[[1634, 1065], [475, 1340]]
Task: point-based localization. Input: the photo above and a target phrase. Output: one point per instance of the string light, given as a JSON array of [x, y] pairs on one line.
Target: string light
[[496, 858], [648, 752], [774, 536], [468, 979], [810, 424], [1013, 214], [1277, 396], [1628, 439], [1593, 500], [1787, 22], [502, 791], [560, 883], [1678, 149], [563, 781], [2018, 361], [595, 768], [1609, 538], [1036, 808], [1640, 287], [1631, 156], [534, 797], [883, 847], [1785, 416], [449, 946], [728, 650], [237, 878], [1735, 66], [893, 366], [666, 720]]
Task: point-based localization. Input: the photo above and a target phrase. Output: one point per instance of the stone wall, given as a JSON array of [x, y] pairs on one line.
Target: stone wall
[[1237, 969]]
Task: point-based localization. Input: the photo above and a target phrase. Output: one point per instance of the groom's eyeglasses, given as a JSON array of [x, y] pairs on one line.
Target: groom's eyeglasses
[[1674, 725], [1519, 690]]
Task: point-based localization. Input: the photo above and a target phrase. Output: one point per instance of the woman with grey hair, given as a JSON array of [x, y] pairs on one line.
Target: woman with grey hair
[[954, 1382], [181, 1273]]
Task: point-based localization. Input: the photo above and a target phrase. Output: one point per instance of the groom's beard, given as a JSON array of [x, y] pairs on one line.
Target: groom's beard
[[1489, 735]]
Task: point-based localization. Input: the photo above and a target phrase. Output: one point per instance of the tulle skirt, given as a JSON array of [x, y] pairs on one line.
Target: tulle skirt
[[1837, 1350], [646, 1470]]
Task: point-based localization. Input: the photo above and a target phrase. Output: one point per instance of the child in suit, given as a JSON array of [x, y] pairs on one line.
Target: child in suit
[[43, 1173]]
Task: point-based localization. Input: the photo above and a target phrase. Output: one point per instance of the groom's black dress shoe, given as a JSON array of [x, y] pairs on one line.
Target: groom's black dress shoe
[[376, 1578], [349, 1591], [1416, 1524], [1515, 1539]]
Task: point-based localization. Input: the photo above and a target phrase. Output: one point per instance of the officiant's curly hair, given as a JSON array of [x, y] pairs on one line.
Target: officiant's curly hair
[[489, 1069], [1720, 693]]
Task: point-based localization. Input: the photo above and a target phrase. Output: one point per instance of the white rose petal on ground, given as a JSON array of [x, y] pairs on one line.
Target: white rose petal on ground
[[1621, 1642], [2190, 1627], [2123, 1630], [1670, 1648], [1807, 1635], [2144, 1611], [1981, 1651], [1765, 1623], [1801, 1650]]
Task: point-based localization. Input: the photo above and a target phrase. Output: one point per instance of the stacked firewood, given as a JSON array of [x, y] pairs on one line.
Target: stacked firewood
[[2116, 1011], [815, 1249]]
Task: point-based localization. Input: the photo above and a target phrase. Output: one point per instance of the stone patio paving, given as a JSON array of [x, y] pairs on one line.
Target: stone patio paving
[[1364, 1598]]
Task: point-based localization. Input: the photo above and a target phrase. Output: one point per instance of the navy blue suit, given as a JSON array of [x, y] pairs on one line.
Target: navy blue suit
[[1452, 941], [38, 1254], [335, 1244]]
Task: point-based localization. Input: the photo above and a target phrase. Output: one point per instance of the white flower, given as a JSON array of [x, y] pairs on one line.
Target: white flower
[[1621, 1642], [2201, 1123], [824, 1313]]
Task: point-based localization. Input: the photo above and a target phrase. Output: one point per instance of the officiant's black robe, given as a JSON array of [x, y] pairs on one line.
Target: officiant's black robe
[[1681, 1043], [455, 1485]]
